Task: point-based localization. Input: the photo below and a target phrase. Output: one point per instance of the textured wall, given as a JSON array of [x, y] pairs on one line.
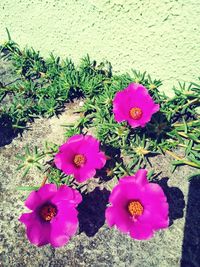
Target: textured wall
[[160, 36]]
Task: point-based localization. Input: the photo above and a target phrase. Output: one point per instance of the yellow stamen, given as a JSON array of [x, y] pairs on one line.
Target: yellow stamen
[[48, 212], [135, 208], [136, 113], [79, 160]]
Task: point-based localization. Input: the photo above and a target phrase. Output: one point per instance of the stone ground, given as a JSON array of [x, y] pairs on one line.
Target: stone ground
[[95, 244]]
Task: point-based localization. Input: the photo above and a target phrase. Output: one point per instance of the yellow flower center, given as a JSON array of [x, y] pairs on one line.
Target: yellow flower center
[[79, 160], [48, 212], [135, 208], [136, 113]]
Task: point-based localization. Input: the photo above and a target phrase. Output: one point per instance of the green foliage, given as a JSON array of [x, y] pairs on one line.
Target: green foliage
[[175, 125], [46, 85]]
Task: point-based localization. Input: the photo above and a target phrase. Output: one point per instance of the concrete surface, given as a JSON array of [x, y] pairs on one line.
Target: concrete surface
[[95, 245], [160, 37]]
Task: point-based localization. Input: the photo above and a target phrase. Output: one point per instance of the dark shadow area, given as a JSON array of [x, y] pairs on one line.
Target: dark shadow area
[[175, 199], [7, 133], [157, 128], [191, 240], [113, 155], [92, 211]]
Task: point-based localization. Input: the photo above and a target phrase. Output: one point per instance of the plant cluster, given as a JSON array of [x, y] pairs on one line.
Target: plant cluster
[[154, 124], [44, 86]]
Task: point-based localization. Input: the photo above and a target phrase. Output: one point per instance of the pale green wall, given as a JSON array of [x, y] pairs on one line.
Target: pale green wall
[[160, 36]]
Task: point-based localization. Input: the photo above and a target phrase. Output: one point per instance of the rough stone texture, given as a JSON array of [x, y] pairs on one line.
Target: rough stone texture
[[101, 247], [160, 37]]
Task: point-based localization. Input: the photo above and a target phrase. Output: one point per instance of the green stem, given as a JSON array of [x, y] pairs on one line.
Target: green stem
[[190, 163]]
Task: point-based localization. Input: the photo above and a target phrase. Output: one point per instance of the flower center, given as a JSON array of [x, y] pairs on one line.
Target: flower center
[[79, 160], [136, 113], [48, 212], [135, 208]]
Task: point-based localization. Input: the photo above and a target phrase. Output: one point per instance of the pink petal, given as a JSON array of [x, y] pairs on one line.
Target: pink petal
[[90, 143], [118, 217], [67, 193], [155, 202], [137, 87], [140, 177], [121, 106], [79, 144], [47, 191], [155, 214], [75, 138], [64, 225], [37, 198], [135, 123], [37, 233], [33, 200], [28, 218], [72, 143], [90, 149], [59, 239], [100, 161], [156, 220], [125, 192], [135, 95], [153, 193], [66, 166], [62, 159], [95, 160], [141, 231], [148, 108], [84, 173]]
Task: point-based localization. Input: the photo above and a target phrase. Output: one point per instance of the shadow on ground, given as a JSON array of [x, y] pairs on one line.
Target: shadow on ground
[[92, 208], [175, 199], [7, 133], [191, 240], [92, 211]]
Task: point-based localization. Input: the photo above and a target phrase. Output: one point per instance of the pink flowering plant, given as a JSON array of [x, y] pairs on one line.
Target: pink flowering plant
[[124, 120], [138, 207], [53, 217], [80, 156], [134, 105]]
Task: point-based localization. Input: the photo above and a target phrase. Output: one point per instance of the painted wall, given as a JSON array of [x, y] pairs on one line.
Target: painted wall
[[159, 36]]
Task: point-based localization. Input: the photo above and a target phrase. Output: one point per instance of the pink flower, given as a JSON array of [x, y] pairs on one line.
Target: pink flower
[[80, 156], [137, 207], [135, 105], [54, 216]]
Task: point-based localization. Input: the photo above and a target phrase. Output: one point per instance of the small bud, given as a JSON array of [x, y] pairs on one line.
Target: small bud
[[141, 151], [30, 160], [121, 130], [152, 86], [42, 74], [19, 106], [109, 172], [108, 157], [137, 80]]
